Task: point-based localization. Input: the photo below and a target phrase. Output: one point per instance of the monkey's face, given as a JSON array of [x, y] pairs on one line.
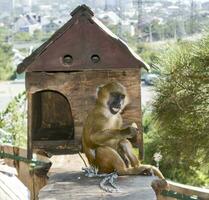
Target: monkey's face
[[113, 97], [116, 102]]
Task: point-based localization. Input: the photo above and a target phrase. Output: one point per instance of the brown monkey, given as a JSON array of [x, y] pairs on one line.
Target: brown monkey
[[105, 142]]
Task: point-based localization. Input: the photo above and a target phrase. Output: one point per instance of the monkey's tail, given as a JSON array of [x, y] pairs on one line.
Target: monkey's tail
[[79, 153]]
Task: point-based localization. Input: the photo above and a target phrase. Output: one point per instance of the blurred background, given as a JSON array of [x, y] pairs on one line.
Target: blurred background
[[25, 24], [146, 25]]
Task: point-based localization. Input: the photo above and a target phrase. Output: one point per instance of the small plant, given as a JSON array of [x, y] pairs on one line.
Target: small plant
[[157, 158], [13, 122]]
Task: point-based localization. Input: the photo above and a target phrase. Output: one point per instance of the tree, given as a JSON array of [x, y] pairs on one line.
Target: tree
[[22, 37], [181, 110], [6, 69], [5, 34]]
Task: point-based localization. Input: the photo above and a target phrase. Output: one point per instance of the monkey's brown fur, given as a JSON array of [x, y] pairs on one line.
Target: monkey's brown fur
[[105, 142]]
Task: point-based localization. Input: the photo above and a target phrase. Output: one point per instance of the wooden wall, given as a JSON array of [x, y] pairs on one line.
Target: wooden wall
[[52, 117], [80, 90]]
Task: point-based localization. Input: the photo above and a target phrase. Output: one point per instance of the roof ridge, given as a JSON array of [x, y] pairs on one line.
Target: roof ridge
[[81, 9]]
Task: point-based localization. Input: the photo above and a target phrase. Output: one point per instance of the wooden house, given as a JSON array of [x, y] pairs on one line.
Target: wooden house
[[62, 76]]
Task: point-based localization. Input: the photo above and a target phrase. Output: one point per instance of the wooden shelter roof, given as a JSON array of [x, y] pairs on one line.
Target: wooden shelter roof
[[82, 43]]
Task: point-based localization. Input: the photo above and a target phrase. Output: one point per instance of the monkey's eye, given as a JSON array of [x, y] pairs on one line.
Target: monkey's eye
[[122, 96], [117, 95]]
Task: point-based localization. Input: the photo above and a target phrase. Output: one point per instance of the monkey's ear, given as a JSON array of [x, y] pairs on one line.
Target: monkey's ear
[[98, 89]]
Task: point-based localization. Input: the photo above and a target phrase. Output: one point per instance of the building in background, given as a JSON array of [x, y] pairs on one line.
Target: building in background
[[28, 23]]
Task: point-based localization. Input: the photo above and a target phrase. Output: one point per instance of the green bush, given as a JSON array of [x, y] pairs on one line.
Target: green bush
[[22, 37], [181, 110], [150, 140], [6, 69]]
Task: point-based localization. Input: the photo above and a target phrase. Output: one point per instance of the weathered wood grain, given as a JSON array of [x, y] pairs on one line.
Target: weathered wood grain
[[11, 188], [79, 89], [76, 186], [25, 173]]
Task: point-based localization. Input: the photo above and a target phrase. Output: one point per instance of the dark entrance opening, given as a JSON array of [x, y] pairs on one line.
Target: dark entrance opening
[[52, 117]]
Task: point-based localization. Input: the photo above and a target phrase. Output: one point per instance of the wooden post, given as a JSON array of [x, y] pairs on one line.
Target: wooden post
[[29, 127]]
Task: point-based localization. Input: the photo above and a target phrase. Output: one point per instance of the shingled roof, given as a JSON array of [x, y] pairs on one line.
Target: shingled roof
[[87, 43]]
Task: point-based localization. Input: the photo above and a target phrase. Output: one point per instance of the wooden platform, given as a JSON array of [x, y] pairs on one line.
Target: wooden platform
[[68, 182], [76, 186]]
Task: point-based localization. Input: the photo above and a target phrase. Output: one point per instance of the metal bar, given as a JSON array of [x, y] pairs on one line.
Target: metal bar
[[20, 158], [178, 196]]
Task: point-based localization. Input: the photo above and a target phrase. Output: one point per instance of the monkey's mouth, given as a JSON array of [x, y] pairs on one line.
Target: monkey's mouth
[[115, 109]]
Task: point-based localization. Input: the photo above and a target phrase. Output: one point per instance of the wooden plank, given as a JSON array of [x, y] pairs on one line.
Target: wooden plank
[[8, 170], [29, 126], [188, 190], [59, 147], [63, 163], [8, 149], [66, 181], [11, 188], [76, 186], [28, 176], [52, 143]]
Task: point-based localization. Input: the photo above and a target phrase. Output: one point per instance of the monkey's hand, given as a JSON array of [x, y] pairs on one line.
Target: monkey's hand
[[129, 132]]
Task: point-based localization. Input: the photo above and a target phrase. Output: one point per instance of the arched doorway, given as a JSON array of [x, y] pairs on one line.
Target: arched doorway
[[52, 117]]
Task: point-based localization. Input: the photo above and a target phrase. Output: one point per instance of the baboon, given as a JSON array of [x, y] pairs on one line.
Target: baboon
[[105, 141]]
